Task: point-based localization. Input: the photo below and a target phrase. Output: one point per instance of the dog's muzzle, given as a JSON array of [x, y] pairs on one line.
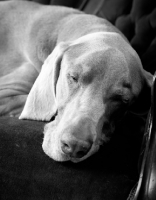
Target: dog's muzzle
[[77, 138]]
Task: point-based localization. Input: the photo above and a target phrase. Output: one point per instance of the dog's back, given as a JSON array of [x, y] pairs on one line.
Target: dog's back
[[28, 28], [19, 24]]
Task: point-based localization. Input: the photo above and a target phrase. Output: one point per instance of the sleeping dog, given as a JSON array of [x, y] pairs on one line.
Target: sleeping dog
[[77, 69]]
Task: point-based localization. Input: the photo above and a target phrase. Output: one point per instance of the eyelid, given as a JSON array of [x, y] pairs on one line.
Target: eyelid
[[126, 100], [116, 97], [73, 77], [120, 97]]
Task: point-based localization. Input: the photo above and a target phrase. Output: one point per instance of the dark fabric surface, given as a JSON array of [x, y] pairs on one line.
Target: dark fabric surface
[[27, 173]]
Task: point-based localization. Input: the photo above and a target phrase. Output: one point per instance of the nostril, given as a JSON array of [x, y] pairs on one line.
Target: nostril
[[76, 148], [82, 152], [66, 148]]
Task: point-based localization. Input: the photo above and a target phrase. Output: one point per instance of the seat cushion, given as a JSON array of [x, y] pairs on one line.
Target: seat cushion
[[26, 172]]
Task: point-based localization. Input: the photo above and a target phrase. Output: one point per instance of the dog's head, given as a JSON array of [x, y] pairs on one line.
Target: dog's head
[[88, 85]]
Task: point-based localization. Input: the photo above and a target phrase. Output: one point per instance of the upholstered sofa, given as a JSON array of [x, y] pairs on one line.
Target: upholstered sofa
[[26, 173]]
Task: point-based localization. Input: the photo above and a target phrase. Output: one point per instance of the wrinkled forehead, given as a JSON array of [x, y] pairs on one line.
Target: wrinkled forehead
[[94, 59], [85, 62], [84, 53]]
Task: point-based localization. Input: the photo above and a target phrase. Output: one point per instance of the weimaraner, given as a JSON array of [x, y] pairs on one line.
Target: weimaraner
[[75, 70]]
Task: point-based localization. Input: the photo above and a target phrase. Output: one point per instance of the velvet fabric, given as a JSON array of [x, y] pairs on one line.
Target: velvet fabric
[[27, 173]]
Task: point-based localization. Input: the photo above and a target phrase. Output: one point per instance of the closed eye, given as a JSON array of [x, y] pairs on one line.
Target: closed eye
[[72, 78], [126, 100], [121, 98], [116, 97]]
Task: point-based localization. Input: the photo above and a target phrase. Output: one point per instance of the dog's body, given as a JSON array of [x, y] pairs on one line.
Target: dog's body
[[90, 74], [28, 34]]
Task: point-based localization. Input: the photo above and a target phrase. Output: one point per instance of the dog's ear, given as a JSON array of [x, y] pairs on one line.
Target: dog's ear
[[41, 103], [142, 104]]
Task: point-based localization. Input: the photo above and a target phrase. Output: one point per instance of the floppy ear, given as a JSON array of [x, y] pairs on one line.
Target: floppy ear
[[142, 104], [41, 103]]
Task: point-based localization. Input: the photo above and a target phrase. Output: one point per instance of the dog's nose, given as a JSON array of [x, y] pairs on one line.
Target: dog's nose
[[77, 138], [76, 148]]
